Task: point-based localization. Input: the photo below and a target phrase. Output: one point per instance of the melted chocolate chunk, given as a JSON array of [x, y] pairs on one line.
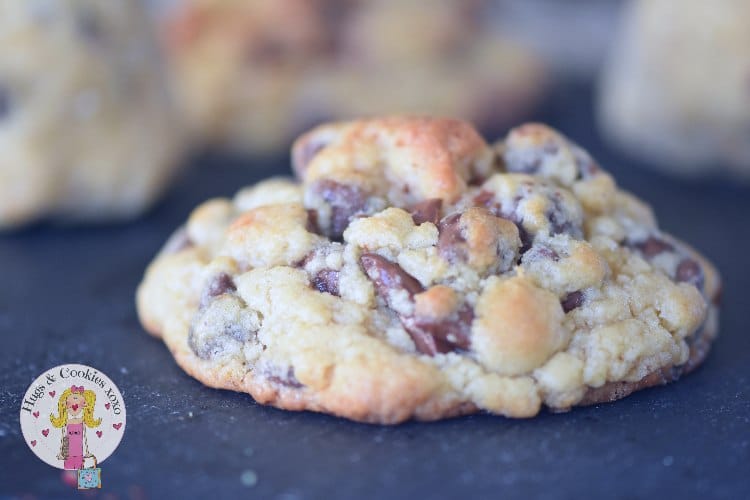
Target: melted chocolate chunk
[[572, 301], [219, 285], [388, 276], [653, 246], [346, 201], [427, 211], [432, 336], [525, 237], [689, 271], [485, 199], [287, 379], [451, 240], [327, 281], [312, 222]]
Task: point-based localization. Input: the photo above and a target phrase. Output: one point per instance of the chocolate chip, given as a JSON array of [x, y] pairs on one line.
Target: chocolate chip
[[219, 285], [653, 246], [525, 237], [427, 211], [558, 217], [485, 199], [346, 201], [287, 379], [572, 301], [327, 281], [432, 336], [388, 276], [451, 241], [312, 222], [689, 271]]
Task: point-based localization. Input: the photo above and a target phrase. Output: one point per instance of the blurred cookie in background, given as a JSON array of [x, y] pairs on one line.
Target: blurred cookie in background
[[441, 57], [571, 37], [239, 64], [676, 90], [248, 84], [86, 127]]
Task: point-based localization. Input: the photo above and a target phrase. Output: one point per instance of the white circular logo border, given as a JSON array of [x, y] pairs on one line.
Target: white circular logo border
[[41, 400]]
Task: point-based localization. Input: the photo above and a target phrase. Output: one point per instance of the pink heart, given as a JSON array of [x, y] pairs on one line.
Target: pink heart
[[36, 414], [117, 426], [45, 432], [106, 405], [99, 433], [33, 443], [52, 393]]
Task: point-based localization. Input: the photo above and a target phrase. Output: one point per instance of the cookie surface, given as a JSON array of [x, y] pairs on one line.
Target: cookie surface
[[250, 86], [417, 272], [87, 128]]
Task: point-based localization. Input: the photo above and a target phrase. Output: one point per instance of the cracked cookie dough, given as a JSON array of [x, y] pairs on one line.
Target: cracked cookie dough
[[246, 84], [86, 127], [676, 88], [414, 271]]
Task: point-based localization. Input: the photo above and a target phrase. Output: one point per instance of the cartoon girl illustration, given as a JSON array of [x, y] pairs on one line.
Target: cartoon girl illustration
[[75, 410]]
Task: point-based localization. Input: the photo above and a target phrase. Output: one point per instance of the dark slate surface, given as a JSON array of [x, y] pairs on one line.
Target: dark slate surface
[[66, 295]]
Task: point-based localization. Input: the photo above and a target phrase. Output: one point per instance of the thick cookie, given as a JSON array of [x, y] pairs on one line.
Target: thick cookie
[[676, 89], [417, 272], [86, 127], [248, 84]]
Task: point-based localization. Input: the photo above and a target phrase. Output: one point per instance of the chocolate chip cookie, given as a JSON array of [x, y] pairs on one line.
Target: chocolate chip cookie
[[415, 271], [676, 88], [247, 84], [86, 126]]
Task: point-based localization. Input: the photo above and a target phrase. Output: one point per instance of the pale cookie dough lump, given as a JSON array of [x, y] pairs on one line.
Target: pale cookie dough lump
[[86, 126], [414, 271]]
